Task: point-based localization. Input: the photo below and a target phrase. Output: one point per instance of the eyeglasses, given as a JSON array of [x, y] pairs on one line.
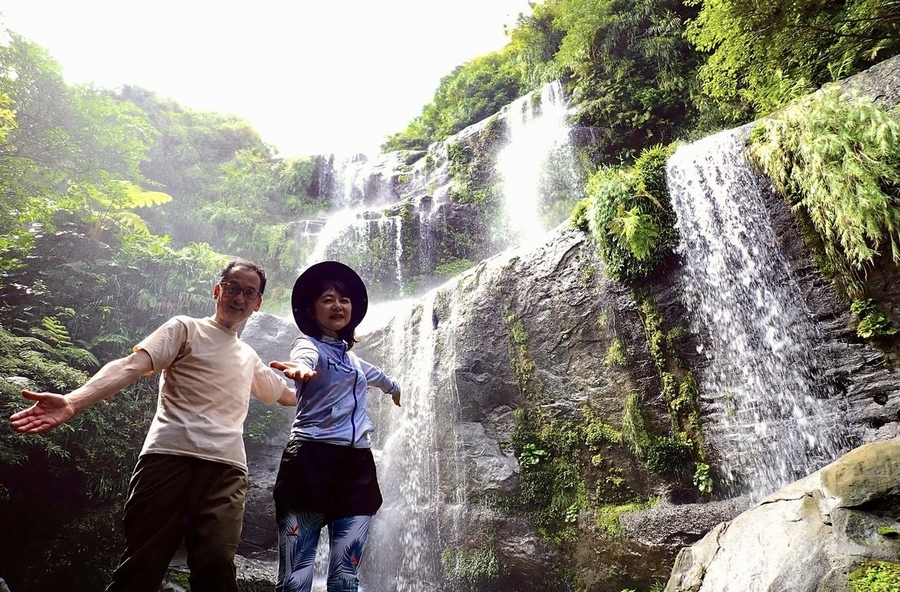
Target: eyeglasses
[[232, 290]]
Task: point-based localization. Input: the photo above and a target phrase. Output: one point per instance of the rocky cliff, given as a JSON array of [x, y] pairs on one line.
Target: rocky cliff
[[518, 352]]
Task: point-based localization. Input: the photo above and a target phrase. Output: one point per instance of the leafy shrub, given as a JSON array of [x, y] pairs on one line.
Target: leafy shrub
[[876, 576], [669, 454], [631, 217], [703, 478], [872, 322], [580, 217], [634, 430]]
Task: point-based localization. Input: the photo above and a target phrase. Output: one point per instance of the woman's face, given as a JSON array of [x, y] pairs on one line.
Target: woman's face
[[332, 311]]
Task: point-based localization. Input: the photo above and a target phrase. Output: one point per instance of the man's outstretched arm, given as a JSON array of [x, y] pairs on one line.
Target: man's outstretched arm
[[51, 409]]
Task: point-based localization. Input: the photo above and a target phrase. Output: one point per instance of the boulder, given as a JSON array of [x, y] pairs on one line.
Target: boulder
[[806, 537]]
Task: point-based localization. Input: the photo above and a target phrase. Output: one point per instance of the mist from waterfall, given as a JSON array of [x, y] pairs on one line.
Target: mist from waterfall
[[772, 417], [538, 133]]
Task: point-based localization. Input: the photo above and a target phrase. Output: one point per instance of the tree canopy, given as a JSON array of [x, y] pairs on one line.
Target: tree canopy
[[763, 53]]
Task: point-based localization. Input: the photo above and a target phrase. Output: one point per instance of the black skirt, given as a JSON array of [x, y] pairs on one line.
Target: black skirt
[[335, 481]]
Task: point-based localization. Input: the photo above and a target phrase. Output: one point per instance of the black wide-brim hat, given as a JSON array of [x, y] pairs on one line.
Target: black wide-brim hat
[[315, 276]]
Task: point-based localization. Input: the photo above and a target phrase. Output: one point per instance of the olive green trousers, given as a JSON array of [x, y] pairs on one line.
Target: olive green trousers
[[180, 498]]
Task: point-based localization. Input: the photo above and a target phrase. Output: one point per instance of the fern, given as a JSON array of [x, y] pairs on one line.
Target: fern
[[138, 198], [34, 344], [131, 221], [53, 338], [634, 430], [109, 338], [79, 357], [630, 216], [837, 157], [53, 332], [634, 231]]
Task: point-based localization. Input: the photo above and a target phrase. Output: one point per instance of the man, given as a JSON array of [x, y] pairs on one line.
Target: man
[[191, 477]]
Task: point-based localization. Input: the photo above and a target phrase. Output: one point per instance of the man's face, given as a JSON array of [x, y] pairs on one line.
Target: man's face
[[233, 306]]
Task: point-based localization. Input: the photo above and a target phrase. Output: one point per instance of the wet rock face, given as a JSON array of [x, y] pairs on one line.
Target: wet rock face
[[571, 314]]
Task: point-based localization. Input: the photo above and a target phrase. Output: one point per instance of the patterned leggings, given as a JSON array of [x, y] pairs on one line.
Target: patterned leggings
[[298, 538]]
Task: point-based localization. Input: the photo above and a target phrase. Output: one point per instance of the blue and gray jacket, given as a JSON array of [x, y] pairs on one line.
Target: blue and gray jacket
[[331, 407]]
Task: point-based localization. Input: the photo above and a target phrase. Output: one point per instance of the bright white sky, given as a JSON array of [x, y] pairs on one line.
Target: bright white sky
[[311, 76]]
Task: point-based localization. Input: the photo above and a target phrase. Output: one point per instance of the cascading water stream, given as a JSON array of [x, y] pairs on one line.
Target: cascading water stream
[[369, 231], [408, 472], [418, 452], [423, 450], [335, 227], [536, 134], [398, 255], [772, 418]]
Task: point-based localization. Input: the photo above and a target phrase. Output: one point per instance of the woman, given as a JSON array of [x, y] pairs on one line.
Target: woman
[[327, 473]]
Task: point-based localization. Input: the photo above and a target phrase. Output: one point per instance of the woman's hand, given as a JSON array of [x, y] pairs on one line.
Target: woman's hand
[[294, 370]]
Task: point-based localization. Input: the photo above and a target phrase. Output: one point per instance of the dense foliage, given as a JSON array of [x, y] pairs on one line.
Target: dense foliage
[[644, 72], [630, 71], [82, 278], [836, 158], [629, 214], [763, 53], [472, 92], [63, 148], [228, 190]]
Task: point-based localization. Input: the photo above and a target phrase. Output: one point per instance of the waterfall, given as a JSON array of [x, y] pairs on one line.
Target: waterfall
[[426, 253], [335, 227], [405, 526], [771, 415], [530, 165], [419, 448], [429, 456], [395, 218], [360, 233]]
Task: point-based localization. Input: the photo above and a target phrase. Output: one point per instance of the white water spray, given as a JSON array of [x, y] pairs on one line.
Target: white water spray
[[536, 132], [774, 418]]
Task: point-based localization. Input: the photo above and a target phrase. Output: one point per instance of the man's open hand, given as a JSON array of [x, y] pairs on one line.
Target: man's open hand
[[49, 411]]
